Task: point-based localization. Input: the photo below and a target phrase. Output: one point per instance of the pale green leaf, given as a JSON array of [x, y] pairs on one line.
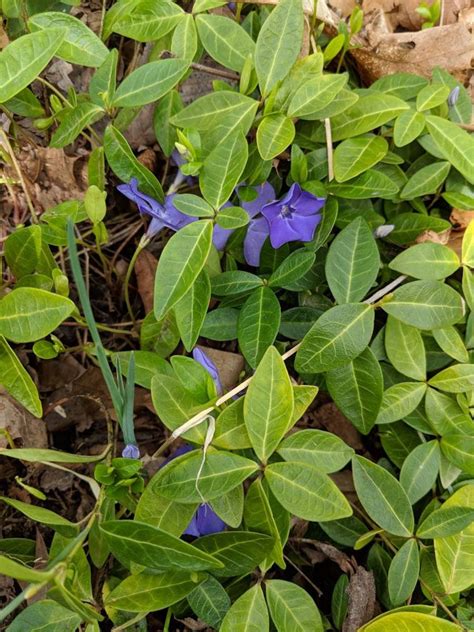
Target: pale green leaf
[[454, 143], [258, 324], [355, 155], [428, 261], [248, 614], [17, 381], [400, 400], [420, 470], [403, 572], [323, 450], [291, 608], [426, 181], [222, 169], [405, 349], [274, 134], [225, 40]]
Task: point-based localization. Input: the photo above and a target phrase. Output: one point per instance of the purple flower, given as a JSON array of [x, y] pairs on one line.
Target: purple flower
[[210, 367], [294, 217], [205, 521], [162, 214], [453, 96], [257, 229], [131, 451]]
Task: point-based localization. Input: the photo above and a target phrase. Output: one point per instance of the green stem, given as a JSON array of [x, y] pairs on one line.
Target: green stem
[[141, 245]]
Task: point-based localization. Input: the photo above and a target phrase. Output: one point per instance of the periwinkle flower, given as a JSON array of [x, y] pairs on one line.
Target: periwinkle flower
[[294, 217], [205, 520], [453, 96], [205, 361], [163, 215], [383, 231], [131, 451]]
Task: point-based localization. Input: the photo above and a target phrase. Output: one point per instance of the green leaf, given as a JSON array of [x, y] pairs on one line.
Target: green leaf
[[268, 406], [461, 111], [191, 309], [185, 38], [180, 263], [209, 601], [192, 205], [278, 43], [163, 513], [132, 541], [79, 46], [258, 324], [33, 455], [291, 608], [221, 324], [444, 522], [234, 282], [28, 314], [454, 553], [147, 21], [408, 126], [146, 593], [315, 95], [355, 155], [222, 169], [147, 365], [445, 415], [231, 432], [454, 143], [323, 450], [74, 121], [405, 349], [21, 572], [306, 492], [44, 516], [232, 217], [458, 378], [400, 400], [16, 380], [125, 166], [222, 108], [239, 551], [22, 250], [274, 134], [426, 181], [352, 263], [357, 389], [369, 112], [23, 60], [420, 470], [165, 109], [451, 342], [222, 471], [431, 96], [102, 84], [337, 337], [26, 104], [45, 615], [459, 449], [403, 572], [369, 184], [468, 246], [404, 85], [258, 516], [225, 40], [149, 82], [383, 498], [409, 225], [248, 614], [426, 305], [427, 261], [409, 622], [230, 507], [175, 405]]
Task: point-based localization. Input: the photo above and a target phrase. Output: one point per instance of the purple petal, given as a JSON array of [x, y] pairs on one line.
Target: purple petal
[[192, 528], [154, 227], [173, 218], [265, 194], [220, 236], [145, 203], [207, 521], [210, 367], [131, 451], [308, 204], [257, 233]]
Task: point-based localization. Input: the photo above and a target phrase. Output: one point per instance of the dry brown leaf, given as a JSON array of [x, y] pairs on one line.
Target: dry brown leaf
[[402, 13], [453, 236], [461, 219], [361, 608], [229, 365], [330, 417], [145, 269], [25, 430]]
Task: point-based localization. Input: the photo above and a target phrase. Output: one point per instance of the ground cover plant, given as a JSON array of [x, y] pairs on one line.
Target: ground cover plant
[[236, 359]]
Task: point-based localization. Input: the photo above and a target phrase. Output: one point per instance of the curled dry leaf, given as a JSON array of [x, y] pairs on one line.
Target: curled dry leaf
[[453, 236], [145, 268], [361, 608], [25, 430]]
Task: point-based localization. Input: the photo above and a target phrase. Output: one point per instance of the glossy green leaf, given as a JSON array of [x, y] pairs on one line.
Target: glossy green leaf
[[400, 400], [337, 337], [291, 608], [232, 217], [451, 342], [274, 134], [383, 498], [102, 84], [405, 349], [26, 104], [357, 389], [79, 46], [369, 184], [458, 448], [428, 261], [426, 181], [315, 95], [426, 305], [454, 143], [323, 450], [292, 268], [404, 85], [420, 470], [146, 593], [45, 615], [306, 492], [192, 205], [238, 551], [23, 60], [458, 378], [234, 282], [17, 381], [408, 126], [409, 622], [185, 38], [431, 96], [222, 471], [44, 516], [225, 40], [147, 21], [126, 166], [22, 250], [356, 155], [409, 225], [468, 246], [403, 572], [248, 614], [209, 601], [444, 522], [278, 43], [231, 432], [445, 415], [258, 324], [180, 264], [352, 263], [230, 507], [74, 121], [191, 309], [149, 82], [28, 314], [33, 455]]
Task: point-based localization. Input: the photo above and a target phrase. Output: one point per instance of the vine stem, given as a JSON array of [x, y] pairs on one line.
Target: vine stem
[[201, 416]]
